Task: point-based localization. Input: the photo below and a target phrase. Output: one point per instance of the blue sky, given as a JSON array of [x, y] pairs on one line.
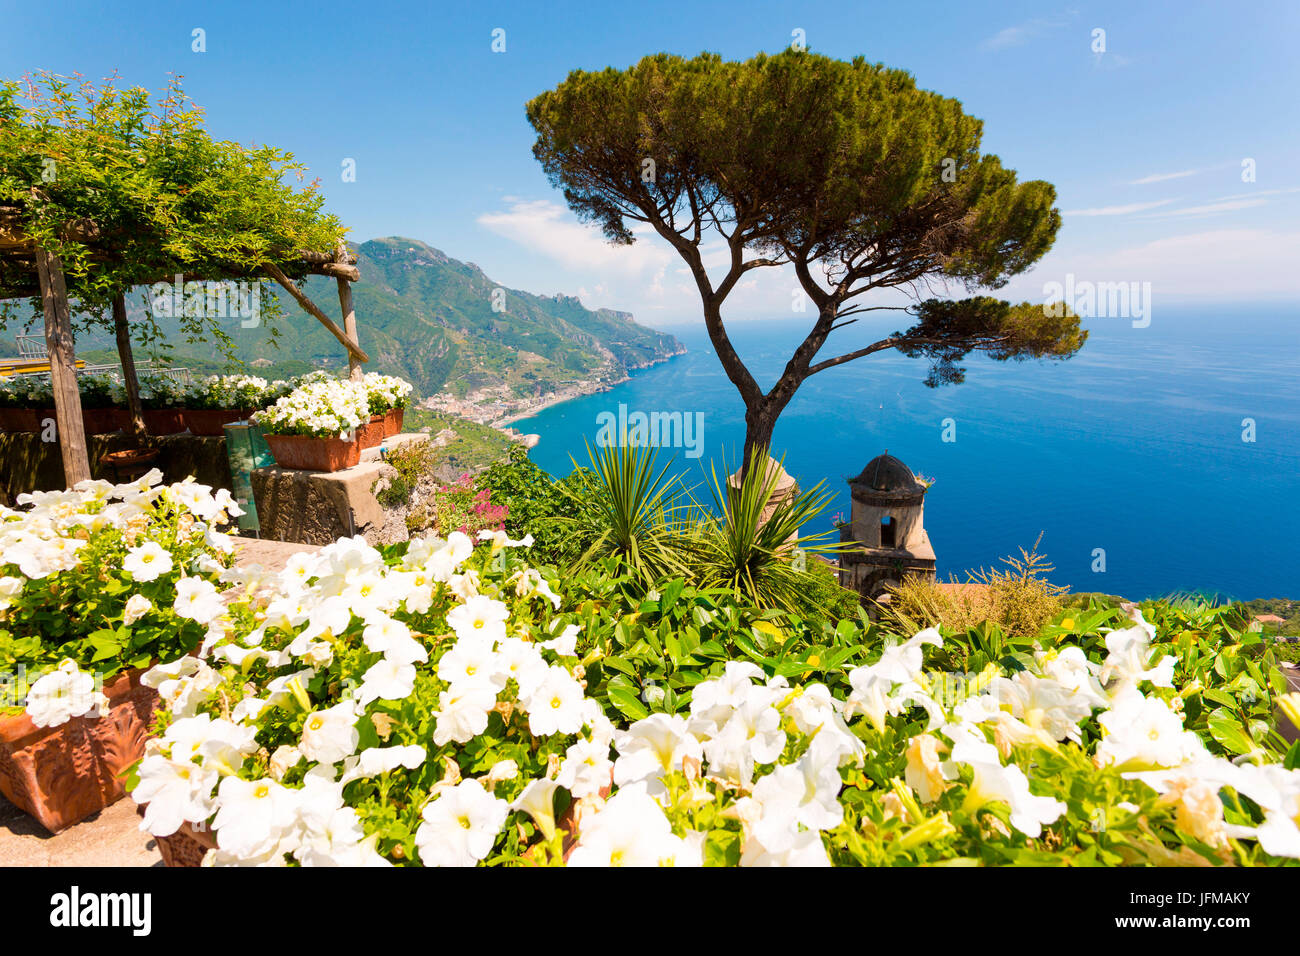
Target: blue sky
[[1145, 141]]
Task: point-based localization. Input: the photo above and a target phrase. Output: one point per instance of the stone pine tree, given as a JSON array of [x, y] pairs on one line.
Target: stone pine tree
[[845, 172]]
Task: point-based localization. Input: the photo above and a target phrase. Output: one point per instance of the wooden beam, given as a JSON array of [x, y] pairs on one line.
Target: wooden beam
[[354, 350], [63, 368], [339, 271]]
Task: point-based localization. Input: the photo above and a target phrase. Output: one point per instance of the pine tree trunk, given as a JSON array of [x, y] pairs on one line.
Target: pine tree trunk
[[760, 422]]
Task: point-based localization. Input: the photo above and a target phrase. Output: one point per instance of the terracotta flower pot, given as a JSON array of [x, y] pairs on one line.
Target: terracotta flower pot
[[20, 420], [393, 421], [314, 454], [61, 775], [211, 421], [371, 433], [164, 421], [101, 421], [185, 847]]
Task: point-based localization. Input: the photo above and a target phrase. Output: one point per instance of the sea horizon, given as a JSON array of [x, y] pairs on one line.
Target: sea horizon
[[1160, 459]]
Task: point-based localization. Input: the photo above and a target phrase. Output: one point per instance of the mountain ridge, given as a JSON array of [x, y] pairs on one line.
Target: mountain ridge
[[445, 325]]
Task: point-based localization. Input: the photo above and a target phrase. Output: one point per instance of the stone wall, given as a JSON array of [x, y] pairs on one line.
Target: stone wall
[[29, 464]]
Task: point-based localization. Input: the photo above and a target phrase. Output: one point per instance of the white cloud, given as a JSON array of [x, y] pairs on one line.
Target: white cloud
[[1242, 265], [1021, 33], [1162, 177], [1118, 210], [646, 278], [1211, 208], [1253, 194], [549, 228]]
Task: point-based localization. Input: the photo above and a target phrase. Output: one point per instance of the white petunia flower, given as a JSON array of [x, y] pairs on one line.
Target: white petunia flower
[[463, 713], [556, 705], [993, 782], [460, 825], [629, 830], [386, 680], [62, 694], [173, 792], [586, 769], [472, 661], [330, 735], [480, 617], [197, 600], [137, 606], [1142, 733], [254, 816], [566, 645], [147, 562], [652, 747]]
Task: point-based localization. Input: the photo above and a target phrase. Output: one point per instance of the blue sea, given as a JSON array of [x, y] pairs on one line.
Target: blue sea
[[1133, 452]]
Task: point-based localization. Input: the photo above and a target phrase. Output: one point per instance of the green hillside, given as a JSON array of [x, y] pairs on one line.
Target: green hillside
[[429, 318]]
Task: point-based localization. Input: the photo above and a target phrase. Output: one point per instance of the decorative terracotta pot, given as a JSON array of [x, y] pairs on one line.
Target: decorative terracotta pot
[[211, 421], [314, 454], [20, 420], [371, 433], [61, 775], [164, 421], [393, 421], [185, 847], [101, 421]]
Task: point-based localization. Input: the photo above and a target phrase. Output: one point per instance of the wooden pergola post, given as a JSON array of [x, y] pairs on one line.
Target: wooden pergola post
[[123, 331], [63, 367], [349, 326]]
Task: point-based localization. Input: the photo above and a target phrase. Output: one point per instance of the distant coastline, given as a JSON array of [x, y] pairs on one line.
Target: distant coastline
[[485, 406]]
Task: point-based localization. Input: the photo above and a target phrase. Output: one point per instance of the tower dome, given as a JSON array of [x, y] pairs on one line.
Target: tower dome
[[886, 479], [886, 537]]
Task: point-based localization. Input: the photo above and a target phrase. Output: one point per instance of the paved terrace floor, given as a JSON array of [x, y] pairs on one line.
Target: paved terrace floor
[[111, 837]]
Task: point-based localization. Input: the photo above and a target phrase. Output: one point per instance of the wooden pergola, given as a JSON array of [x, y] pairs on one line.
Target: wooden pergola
[[28, 270]]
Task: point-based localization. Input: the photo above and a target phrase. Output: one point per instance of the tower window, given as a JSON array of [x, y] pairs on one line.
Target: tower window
[[888, 532]]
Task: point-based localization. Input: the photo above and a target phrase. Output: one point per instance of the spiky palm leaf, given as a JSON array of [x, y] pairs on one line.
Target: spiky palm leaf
[[627, 509], [734, 547]]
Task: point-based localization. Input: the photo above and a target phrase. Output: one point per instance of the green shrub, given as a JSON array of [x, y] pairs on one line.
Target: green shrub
[[535, 501]]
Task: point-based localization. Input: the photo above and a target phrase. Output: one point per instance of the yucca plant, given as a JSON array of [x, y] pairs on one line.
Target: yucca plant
[[733, 547], [1194, 601], [628, 510]]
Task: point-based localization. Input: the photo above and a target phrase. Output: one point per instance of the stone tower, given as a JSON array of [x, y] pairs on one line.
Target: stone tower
[[886, 534]]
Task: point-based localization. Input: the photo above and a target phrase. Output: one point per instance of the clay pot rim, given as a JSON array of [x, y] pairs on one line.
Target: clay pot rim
[[130, 456], [18, 730]]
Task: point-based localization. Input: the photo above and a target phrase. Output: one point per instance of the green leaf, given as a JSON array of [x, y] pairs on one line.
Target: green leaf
[[1227, 730], [622, 694]]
